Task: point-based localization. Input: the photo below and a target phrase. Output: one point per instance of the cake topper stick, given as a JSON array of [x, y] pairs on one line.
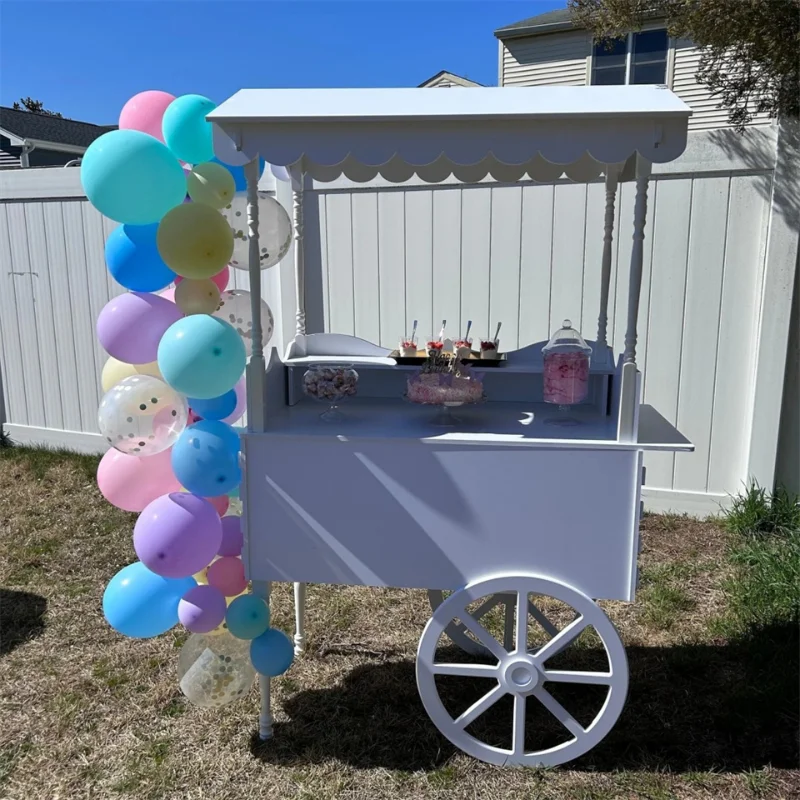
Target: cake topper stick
[[469, 326], [441, 332], [414, 331], [497, 333]]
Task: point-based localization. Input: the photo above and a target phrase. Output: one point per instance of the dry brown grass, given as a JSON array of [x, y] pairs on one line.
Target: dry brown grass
[[88, 714]]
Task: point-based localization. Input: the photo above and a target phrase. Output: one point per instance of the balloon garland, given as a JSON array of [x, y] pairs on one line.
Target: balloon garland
[[178, 341]]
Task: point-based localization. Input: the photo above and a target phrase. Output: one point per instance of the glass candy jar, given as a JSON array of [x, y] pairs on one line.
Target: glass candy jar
[[566, 370], [330, 383]]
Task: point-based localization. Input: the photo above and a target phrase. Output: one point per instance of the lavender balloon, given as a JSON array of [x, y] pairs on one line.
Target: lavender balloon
[[202, 609], [232, 537], [177, 535], [131, 326]]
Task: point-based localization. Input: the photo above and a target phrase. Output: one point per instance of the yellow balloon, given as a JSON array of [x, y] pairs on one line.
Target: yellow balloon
[[197, 296], [114, 371], [211, 184], [195, 240]]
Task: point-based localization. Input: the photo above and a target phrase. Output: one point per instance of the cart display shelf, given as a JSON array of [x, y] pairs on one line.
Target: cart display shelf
[[502, 510]]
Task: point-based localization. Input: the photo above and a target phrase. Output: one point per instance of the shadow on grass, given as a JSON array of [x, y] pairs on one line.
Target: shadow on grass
[[21, 618], [723, 707]]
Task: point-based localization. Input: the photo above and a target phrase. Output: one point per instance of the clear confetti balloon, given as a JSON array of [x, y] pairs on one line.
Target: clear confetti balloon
[[234, 308], [274, 231], [215, 670], [142, 415]]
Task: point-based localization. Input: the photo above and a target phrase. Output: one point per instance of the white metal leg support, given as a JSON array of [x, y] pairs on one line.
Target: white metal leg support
[[261, 589], [299, 618]]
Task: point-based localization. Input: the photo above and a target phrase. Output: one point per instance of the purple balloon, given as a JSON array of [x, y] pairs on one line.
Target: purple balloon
[[177, 535], [131, 326], [232, 537], [202, 609]]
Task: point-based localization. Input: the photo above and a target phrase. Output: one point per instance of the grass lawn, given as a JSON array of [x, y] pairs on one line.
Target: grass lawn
[[712, 643]]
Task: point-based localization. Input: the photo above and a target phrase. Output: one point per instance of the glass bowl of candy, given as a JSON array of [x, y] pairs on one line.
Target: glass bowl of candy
[[330, 384], [566, 371]]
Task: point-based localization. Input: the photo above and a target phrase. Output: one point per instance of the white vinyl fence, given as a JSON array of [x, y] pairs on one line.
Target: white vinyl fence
[[721, 253]]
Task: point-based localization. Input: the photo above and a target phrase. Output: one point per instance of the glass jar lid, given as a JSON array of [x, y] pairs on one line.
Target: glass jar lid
[[566, 340]]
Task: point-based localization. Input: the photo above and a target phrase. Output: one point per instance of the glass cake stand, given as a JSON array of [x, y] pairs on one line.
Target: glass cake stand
[[445, 418]]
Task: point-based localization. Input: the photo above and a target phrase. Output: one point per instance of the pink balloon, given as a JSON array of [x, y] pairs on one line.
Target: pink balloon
[[177, 535], [168, 294], [220, 279], [232, 537], [131, 325], [144, 112], [220, 503], [227, 575], [241, 401], [202, 609], [131, 483]]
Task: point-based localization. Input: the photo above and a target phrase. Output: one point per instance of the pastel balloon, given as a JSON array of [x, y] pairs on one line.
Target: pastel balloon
[[281, 173], [241, 401], [232, 537], [247, 617], [201, 609], [169, 294], [140, 604], [211, 184], [227, 575], [239, 177], [220, 279], [131, 326], [201, 356], [205, 461], [197, 296], [214, 668], [221, 503], [130, 482], [274, 231], [177, 535], [132, 177], [133, 260], [186, 131], [144, 112], [114, 371], [216, 408], [271, 653], [142, 415], [225, 149], [234, 308], [195, 241]]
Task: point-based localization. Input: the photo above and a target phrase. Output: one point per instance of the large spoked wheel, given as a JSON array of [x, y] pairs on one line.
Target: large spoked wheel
[[521, 670], [505, 603]]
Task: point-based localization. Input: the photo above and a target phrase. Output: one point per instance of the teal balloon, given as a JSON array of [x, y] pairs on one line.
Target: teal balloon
[[271, 653], [140, 604], [201, 356], [185, 129], [131, 177], [247, 617]]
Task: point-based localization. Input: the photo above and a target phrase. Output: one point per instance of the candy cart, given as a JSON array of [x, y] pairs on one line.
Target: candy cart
[[511, 506]]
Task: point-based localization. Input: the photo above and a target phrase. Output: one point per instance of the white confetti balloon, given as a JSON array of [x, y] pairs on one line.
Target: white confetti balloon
[[215, 670], [274, 231], [142, 415], [234, 308]]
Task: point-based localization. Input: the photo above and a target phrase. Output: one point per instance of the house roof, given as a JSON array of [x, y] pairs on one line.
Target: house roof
[[459, 80], [53, 130], [548, 22]]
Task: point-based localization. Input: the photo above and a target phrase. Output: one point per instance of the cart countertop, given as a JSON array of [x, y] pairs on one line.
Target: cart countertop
[[524, 424]]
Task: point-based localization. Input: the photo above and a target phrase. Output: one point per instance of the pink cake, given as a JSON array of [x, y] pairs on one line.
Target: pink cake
[[439, 389], [566, 378]]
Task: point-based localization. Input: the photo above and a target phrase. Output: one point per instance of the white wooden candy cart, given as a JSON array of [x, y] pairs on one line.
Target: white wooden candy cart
[[502, 509]]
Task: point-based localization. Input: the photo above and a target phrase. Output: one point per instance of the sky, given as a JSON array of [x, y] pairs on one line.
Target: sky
[[85, 59]]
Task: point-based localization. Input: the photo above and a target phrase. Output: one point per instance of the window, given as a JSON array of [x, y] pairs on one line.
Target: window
[[639, 58]]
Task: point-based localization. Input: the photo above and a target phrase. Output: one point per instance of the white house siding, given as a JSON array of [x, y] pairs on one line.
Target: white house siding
[[707, 113], [556, 59]]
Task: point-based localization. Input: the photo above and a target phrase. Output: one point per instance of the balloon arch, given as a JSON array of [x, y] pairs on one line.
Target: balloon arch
[[178, 341]]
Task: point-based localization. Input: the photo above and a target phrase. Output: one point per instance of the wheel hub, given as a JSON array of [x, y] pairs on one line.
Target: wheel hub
[[520, 675]]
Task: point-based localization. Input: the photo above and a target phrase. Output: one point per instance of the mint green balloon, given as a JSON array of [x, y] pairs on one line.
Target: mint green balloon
[[131, 177], [185, 129]]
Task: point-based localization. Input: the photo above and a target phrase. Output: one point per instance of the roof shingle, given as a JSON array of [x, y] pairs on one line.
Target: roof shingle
[[28, 125]]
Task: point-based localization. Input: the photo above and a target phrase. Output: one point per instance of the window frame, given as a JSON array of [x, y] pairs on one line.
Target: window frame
[[669, 66]]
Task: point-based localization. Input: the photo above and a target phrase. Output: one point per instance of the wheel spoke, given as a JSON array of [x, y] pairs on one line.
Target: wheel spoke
[[508, 626], [559, 712], [521, 637], [547, 626], [477, 708], [562, 639], [573, 676], [486, 607], [466, 670], [482, 635], [518, 743]]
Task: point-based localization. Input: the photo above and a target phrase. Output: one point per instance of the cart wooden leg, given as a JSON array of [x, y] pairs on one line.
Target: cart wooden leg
[[261, 589], [299, 618]]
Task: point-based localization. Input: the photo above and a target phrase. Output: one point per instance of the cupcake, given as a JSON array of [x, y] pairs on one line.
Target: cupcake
[[489, 349]]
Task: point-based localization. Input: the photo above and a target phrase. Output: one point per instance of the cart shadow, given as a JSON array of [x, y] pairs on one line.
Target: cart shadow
[[691, 707], [21, 618]]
